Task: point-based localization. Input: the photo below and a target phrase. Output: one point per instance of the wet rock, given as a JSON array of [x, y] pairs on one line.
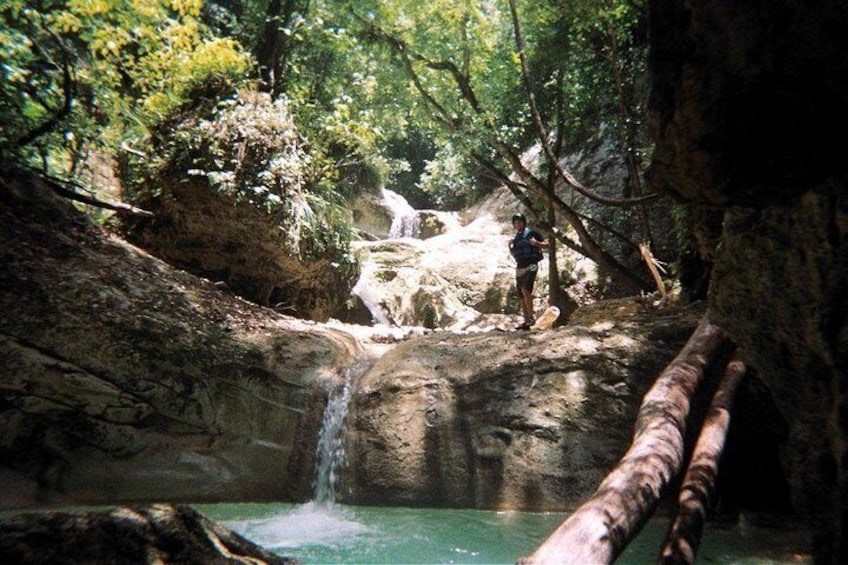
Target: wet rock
[[159, 533], [747, 100]]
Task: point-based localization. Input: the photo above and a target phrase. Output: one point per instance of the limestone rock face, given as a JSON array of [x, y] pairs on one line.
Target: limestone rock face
[[529, 421], [388, 215], [747, 102], [160, 533], [458, 274], [236, 244], [124, 379], [453, 270], [229, 192]]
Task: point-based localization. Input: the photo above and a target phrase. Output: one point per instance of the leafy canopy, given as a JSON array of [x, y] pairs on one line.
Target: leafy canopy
[[126, 64]]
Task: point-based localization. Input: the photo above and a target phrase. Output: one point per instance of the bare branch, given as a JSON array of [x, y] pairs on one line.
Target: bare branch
[[592, 249], [610, 230], [648, 257], [60, 187], [406, 55], [588, 246], [504, 178], [516, 189]]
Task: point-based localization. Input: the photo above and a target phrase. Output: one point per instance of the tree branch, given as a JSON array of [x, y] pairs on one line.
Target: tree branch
[[589, 247], [542, 135], [592, 249], [406, 55], [649, 259], [600, 529], [515, 188]]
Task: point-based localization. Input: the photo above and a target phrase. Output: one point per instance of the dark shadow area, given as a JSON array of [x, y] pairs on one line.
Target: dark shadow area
[[751, 476]]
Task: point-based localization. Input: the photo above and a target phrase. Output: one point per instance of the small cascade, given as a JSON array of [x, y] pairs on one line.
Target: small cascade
[[320, 522], [369, 298], [404, 217], [330, 454]]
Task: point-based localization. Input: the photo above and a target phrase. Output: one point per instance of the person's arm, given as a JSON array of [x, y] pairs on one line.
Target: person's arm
[[540, 243]]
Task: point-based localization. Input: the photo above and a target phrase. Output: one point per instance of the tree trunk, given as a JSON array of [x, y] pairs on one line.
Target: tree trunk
[[684, 536], [275, 44], [600, 529]]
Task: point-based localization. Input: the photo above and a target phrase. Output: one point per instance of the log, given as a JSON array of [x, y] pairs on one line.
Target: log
[[600, 529], [684, 535], [119, 207]]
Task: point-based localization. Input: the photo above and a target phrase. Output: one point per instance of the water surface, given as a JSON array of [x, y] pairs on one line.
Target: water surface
[[330, 533]]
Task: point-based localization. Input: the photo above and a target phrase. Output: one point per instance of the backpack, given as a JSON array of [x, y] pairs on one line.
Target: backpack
[[523, 251]]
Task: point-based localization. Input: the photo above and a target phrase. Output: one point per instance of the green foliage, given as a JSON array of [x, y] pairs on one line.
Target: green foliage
[[361, 120], [330, 85], [447, 180], [607, 61], [125, 65], [584, 59], [146, 56], [249, 149]]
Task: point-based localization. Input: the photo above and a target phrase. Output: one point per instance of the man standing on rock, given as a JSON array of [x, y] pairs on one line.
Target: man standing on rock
[[526, 248]]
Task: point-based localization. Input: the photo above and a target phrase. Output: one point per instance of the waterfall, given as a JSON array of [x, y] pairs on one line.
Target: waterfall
[[404, 216], [320, 522], [330, 453]]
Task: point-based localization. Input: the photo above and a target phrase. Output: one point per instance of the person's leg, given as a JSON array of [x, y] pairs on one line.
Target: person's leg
[[527, 292], [523, 292], [527, 304]]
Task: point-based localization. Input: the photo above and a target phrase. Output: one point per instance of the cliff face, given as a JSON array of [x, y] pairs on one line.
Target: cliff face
[[748, 100]]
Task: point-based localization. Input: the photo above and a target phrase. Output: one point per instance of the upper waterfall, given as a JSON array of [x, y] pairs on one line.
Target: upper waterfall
[[404, 217]]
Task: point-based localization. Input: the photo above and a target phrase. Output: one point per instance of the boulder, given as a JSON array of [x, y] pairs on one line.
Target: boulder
[[231, 200], [198, 229], [444, 282], [371, 216]]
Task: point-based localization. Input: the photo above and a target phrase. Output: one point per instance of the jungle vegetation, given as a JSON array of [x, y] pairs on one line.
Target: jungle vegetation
[[436, 100]]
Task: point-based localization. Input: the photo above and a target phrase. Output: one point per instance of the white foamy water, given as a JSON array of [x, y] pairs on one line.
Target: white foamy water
[[363, 290], [307, 525], [404, 217]]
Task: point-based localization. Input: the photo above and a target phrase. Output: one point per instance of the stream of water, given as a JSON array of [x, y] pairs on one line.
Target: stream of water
[[330, 454], [404, 217]]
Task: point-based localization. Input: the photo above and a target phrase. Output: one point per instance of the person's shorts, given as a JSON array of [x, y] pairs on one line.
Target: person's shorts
[[525, 277]]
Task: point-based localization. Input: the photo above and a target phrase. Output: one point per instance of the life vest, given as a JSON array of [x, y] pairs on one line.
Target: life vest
[[523, 252]]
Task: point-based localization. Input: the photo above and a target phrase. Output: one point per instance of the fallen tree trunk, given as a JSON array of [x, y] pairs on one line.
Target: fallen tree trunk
[[684, 536], [600, 529]]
